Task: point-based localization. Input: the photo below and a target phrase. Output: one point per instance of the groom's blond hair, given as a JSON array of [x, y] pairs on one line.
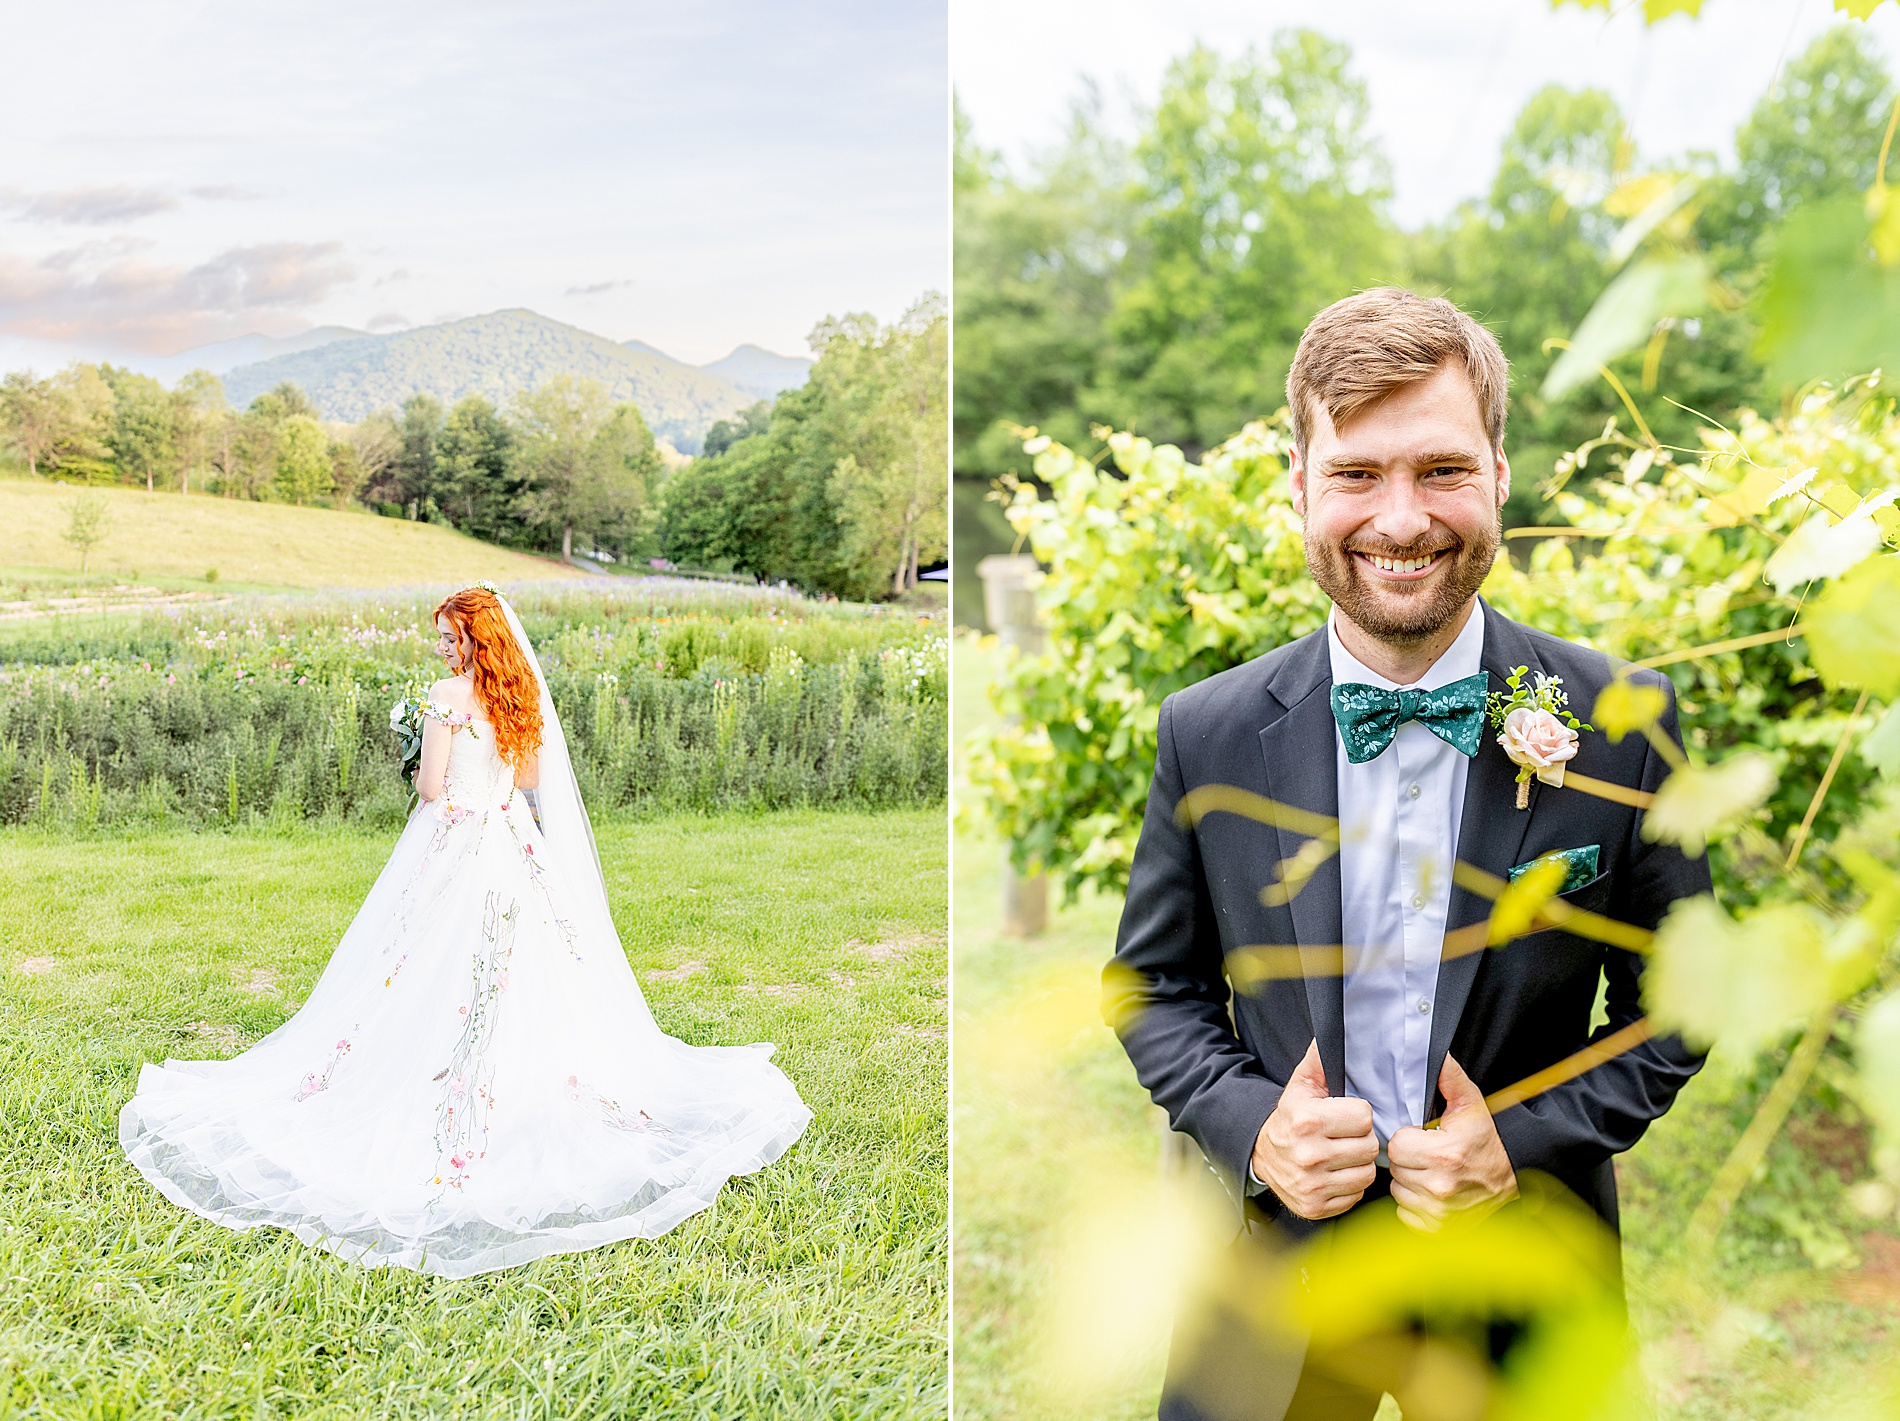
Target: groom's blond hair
[[1359, 350]]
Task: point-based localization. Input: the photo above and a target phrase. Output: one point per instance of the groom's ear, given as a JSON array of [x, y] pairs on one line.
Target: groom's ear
[[1504, 475], [1296, 478]]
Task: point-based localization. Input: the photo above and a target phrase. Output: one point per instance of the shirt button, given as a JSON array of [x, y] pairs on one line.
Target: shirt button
[[1413, 792], [1418, 901], [1424, 1007]]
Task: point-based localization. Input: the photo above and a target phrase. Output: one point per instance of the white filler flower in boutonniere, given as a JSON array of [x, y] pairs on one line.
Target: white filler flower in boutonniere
[[1538, 731]]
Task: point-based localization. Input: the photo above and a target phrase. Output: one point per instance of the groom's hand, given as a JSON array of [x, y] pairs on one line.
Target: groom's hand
[[1316, 1150], [1459, 1166]]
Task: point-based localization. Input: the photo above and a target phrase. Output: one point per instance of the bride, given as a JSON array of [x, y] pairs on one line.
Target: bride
[[475, 1080]]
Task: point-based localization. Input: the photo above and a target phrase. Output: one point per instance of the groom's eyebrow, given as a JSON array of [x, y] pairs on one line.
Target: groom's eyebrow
[[1430, 459]]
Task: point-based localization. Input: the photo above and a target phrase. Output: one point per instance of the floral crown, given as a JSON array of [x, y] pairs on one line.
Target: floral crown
[[485, 585]]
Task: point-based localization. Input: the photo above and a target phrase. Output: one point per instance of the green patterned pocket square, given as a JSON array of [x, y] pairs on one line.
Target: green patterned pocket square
[[1580, 866]]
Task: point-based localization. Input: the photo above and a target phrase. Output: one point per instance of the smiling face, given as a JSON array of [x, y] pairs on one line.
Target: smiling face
[[450, 646], [1401, 507]]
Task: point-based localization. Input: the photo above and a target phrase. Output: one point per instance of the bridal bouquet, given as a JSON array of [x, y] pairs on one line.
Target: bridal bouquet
[[405, 718]]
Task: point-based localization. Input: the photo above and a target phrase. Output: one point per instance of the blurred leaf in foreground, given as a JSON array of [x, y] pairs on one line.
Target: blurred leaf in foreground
[[1697, 800], [1821, 548], [1744, 982], [1623, 706], [1878, 1049], [1854, 629], [1829, 309], [1881, 747], [1545, 1261], [1518, 904], [1625, 315]]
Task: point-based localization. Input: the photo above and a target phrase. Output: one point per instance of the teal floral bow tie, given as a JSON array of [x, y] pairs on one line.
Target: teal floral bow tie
[[1369, 716]]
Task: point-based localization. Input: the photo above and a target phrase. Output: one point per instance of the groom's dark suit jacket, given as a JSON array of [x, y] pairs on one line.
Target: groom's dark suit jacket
[[1194, 899]]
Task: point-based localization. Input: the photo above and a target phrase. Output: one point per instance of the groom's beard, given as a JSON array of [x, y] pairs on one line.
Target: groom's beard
[[1400, 613]]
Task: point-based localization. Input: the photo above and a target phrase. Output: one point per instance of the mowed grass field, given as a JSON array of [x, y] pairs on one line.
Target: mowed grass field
[[1069, 1233], [171, 536], [816, 1288]]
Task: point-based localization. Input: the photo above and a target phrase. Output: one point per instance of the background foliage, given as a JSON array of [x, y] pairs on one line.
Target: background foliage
[[1158, 285]]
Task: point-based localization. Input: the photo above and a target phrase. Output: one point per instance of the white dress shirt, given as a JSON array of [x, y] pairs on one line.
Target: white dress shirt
[[1399, 815]]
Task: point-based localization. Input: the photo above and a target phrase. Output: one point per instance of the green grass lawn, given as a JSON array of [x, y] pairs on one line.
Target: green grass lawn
[[1063, 1212], [171, 540], [815, 1288]]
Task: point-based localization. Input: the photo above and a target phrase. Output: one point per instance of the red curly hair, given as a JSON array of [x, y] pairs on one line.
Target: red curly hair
[[504, 681]]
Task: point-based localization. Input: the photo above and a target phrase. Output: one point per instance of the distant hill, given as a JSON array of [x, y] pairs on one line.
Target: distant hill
[[759, 372], [496, 355], [224, 355]]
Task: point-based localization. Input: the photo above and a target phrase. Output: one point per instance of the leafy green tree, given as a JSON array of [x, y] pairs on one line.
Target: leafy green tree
[[885, 392], [618, 504], [1807, 139], [475, 471], [727, 432], [143, 432], [281, 401], [1532, 258], [303, 461], [413, 471], [844, 490], [1035, 262], [559, 425], [36, 417], [87, 521], [1259, 198], [198, 412], [374, 443]]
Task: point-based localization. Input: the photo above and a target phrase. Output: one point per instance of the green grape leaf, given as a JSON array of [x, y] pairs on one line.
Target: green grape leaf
[[1654, 10], [1880, 747], [1711, 977], [1853, 629], [1877, 1048], [1857, 9], [1828, 309], [1745, 500], [1819, 549], [1792, 485], [1626, 313], [1698, 800], [1623, 706]]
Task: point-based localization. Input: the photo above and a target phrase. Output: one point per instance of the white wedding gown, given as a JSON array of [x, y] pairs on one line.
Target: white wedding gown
[[475, 1080]]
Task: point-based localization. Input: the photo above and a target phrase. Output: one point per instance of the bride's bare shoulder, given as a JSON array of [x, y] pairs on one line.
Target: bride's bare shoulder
[[455, 692]]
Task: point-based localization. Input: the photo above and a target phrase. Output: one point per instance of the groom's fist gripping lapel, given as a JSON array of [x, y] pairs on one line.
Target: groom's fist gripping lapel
[[1459, 1166], [1316, 1150]]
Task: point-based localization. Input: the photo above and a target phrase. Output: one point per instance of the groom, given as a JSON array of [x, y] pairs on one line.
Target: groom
[[1307, 1090]]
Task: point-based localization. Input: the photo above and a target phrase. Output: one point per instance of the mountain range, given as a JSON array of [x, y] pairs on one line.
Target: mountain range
[[350, 374]]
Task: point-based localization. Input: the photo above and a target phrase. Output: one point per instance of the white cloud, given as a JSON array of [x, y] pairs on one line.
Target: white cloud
[[90, 206], [105, 294]]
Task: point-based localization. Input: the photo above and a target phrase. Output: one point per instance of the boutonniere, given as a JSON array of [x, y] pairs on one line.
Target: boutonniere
[[1538, 731]]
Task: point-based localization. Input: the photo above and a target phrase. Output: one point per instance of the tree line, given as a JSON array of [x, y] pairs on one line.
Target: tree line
[[838, 487], [1160, 283]]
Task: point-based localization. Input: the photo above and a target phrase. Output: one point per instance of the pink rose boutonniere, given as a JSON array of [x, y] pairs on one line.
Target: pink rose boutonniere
[[1538, 731]]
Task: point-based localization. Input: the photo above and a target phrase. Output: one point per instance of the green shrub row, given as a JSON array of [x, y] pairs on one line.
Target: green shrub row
[[277, 709], [130, 743]]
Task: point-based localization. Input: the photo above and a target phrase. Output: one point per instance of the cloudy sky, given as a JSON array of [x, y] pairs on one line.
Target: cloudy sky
[[691, 175], [1446, 78]]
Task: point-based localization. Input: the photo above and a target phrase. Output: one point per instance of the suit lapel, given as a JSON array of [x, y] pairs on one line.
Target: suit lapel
[[1299, 750], [1490, 834]]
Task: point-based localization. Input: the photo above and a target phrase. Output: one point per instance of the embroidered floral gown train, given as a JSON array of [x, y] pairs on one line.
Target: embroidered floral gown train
[[476, 1080]]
